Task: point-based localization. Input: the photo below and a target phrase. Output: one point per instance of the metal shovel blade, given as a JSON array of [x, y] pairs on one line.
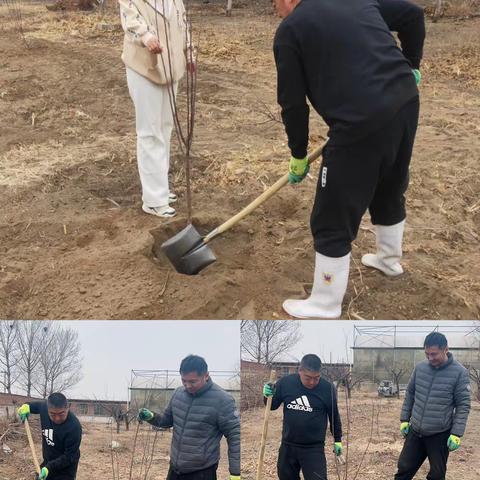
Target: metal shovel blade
[[187, 251]]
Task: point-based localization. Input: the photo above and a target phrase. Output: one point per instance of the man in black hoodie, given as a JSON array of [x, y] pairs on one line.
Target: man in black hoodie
[[309, 402], [61, 437], [342, 56]]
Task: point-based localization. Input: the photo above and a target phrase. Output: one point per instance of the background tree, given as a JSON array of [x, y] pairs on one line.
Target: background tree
[[397, 370], [9, 354], [263, 341], [59, 366], [32, 338], [474, 374]]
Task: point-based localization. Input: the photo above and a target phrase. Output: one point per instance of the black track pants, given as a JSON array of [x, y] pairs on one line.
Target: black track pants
[[416, 449], [370, 174], [311, 461], [206, 474]]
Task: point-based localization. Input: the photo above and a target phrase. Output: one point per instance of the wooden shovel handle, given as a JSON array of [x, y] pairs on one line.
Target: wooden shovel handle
[[268, 407], [259, 200], [32, 446]]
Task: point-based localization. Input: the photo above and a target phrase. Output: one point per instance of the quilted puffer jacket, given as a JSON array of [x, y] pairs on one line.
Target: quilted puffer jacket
[[199, 421], [437, 399]]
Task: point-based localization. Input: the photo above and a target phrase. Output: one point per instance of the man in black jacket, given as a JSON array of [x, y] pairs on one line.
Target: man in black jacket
[[342, 56], [309, 402], [61, 437]]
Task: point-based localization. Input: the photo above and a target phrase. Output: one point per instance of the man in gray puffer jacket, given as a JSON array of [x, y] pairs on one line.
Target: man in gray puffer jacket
[[200, 413], [435, 411]]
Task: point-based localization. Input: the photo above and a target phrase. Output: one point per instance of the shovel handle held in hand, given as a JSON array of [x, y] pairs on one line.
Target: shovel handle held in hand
[[268, 407], [32, 446], [281, 182]]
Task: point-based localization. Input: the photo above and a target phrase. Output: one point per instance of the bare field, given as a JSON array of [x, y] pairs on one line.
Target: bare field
[[75, 244], [379, 461], [96, 454]]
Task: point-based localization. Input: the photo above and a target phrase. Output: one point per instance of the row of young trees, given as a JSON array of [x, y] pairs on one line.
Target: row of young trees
[[38, 357]]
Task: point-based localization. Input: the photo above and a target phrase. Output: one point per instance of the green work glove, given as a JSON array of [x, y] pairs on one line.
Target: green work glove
[[298, 169], [144, 415], [417, 75], [404, 428], [268, 390], [24, 412], [43, 474], [453, 442], [234, 477], [337, 448]]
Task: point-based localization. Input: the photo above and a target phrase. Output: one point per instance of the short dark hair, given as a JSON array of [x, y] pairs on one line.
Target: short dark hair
[[194, 363], [57, 400], [435, 339], [311, 362]]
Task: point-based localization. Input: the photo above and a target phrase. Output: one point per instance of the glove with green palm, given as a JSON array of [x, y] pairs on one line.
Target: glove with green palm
[[417, 75], [404, 428], [144, 415], [24, 412], [234, 477], [338, 448], [453, 442], [268, 390], [43, 474], [297, 169]]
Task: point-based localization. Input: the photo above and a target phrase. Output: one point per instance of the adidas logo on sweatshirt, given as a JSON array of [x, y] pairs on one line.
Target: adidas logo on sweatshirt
[[301, 403], [48, 434]]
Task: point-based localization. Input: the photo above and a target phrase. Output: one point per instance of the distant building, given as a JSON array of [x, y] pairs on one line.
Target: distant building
[[154, 388], [380, 351], [87, 410]]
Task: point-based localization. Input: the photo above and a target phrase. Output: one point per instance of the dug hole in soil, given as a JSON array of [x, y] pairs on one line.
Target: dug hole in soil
[[74, 242]]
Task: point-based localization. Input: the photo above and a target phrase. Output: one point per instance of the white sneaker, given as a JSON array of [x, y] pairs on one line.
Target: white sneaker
[[329, 286], [389, 250], [172, 198], [165, 211]]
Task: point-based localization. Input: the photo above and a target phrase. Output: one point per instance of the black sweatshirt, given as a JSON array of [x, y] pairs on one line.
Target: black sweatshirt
[[344, 58], [60, 443], [305, 411]]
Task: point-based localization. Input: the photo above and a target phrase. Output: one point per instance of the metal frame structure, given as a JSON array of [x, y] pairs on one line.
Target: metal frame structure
[[396, 340], [382, 333], [169, 380]]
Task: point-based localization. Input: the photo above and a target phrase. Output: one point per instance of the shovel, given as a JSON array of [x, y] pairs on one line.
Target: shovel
[[32, 446], [188, 251], [263, 442]]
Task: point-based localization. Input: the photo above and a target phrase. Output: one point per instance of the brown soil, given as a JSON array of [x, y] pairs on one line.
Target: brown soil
[[96, 454], [74, 242], [380, 459]]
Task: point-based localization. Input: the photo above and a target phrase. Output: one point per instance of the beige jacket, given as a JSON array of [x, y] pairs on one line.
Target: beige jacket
[[166, 20]]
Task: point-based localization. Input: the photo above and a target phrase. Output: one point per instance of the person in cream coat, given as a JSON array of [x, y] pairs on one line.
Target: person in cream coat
[[156, 55]]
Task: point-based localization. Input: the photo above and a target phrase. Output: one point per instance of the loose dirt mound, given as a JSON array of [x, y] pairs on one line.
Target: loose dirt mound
[[75, 244]]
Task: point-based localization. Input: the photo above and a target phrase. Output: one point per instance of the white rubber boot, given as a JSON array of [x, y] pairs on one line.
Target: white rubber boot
[[389, 250], [329, 287]]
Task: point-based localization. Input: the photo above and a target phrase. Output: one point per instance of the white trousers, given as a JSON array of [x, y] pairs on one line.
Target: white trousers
[[154, 124]]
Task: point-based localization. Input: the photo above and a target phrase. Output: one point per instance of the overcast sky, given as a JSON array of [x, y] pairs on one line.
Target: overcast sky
[[328, 337], [111, 349]]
